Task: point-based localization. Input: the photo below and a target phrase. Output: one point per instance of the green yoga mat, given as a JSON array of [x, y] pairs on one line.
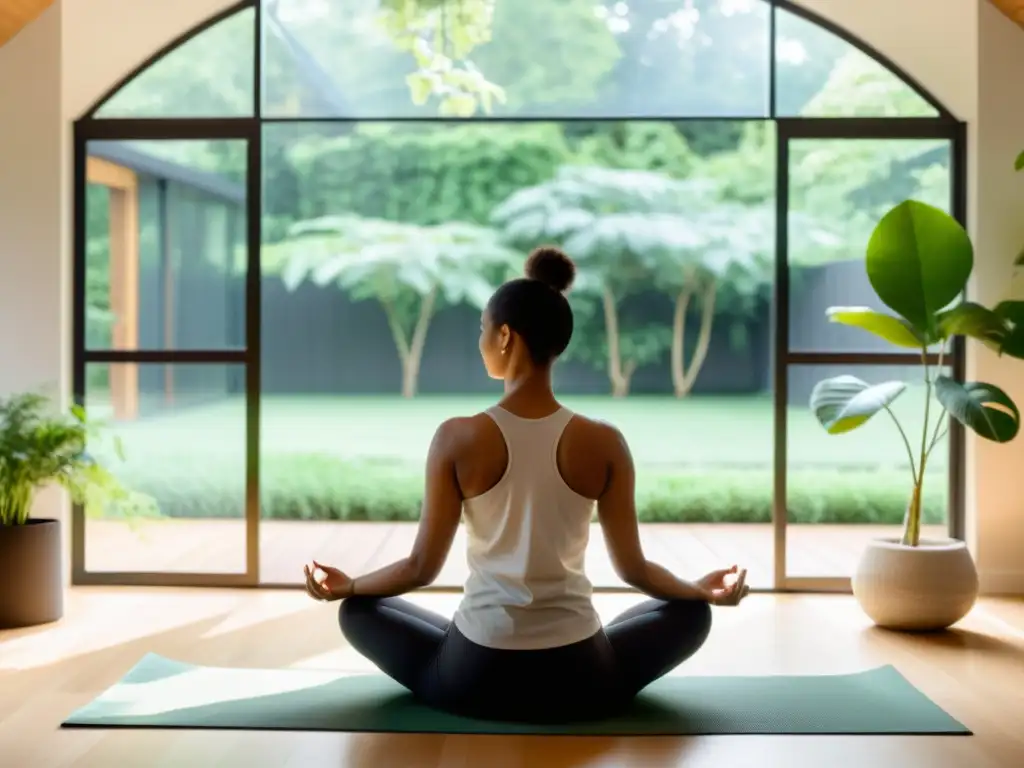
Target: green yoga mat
[[161, 693]]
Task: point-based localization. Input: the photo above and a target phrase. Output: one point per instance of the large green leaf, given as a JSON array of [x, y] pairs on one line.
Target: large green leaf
[[893, 329], [843, 403], [985, 408], [918, 262], [973, 320], [1012, 313]]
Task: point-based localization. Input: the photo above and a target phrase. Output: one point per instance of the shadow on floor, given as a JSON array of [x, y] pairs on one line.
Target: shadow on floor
[[286, 640]]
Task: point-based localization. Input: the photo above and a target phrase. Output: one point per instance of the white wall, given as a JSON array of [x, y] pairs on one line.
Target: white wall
[[104, 40], [996, 493], [939, 50], [34, 268], [972, 58], [33, 313], [969, 56]]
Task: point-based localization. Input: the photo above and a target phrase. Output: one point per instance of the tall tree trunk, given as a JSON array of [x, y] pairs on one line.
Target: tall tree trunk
[[411, 366], [679, 338], [410, 352], [621, 387], [619, 379], [683, 376]]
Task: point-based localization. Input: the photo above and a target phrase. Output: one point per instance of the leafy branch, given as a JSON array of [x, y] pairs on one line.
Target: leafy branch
[[39, 446], [410, 270], [440, 35]]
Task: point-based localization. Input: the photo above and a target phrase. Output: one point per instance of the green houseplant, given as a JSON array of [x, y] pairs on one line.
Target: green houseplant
[[39, 446], [918, 262]]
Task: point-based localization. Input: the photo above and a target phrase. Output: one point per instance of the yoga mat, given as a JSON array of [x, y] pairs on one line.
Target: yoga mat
[[162, 693]]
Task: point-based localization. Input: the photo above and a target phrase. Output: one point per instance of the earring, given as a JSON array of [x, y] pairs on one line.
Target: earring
[[503, 350]]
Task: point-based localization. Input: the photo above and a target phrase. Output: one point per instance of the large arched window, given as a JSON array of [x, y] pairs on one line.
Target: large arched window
[[287, 221]]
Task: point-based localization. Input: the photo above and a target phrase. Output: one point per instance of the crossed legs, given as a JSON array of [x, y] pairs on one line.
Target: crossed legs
[[406, 642]]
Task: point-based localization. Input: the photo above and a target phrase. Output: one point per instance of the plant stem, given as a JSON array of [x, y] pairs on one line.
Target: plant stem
[[943, 422], [906, 443], [912, 527], [15, 504]]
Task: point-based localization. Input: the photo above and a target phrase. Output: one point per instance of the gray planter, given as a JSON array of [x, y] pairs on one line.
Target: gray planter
[[31, 574]]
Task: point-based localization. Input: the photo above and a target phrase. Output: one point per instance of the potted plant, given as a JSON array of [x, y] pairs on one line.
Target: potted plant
[[918, 262], [40, 446]]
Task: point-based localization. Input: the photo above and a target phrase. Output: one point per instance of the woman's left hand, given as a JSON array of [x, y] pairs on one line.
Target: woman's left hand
[[334, 585], [723, 591]]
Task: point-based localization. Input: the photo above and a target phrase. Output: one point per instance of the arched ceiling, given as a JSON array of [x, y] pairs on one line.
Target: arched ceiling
[[16, 14], [1012, 8]]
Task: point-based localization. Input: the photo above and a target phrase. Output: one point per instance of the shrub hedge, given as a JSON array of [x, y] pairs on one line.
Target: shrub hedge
[[422, 175], [316, 487]]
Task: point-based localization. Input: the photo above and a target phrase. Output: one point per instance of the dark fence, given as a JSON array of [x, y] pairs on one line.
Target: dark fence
[[315, 340], [318, 341]]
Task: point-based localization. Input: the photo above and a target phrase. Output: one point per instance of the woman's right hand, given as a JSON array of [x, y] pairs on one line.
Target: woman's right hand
[[335, 585], [718, 591]]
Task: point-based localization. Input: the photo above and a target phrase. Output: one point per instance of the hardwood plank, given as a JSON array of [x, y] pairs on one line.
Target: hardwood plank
[[169, 545], [287, 545], [834, 550], [750, 546], [212, 546], [975, 672]]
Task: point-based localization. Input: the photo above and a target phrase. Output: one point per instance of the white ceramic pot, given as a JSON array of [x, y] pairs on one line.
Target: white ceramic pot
[[923, 588]]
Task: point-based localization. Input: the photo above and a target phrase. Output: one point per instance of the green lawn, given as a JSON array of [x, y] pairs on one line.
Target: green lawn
[[361, 458], [693, 433]]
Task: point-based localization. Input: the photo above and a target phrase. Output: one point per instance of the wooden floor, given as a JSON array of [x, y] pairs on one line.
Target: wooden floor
[[975, 672], [211, 546]]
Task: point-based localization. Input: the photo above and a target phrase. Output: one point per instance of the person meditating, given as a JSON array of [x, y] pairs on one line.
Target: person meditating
[[526, 643]]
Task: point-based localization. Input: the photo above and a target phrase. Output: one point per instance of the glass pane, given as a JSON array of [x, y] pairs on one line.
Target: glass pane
[[844, 490], [210, 75], [351, 399], [165, 245], [182, 430], [599, 58], [821, 75], [839, 189]]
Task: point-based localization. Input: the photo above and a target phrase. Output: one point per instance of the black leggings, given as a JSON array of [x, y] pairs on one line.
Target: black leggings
[[590, 679]]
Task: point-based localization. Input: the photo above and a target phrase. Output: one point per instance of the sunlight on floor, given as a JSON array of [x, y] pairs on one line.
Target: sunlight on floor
[[95, 620], [204, 686], [272, 604]]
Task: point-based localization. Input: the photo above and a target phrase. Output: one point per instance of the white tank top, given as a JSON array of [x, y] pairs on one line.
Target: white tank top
[[527, 540]]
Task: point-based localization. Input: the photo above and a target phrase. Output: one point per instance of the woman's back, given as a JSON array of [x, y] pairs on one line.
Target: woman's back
[[526, 643], [528, 530]]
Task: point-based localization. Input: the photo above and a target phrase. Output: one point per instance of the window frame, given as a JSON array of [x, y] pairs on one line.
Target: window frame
[[90, 127]]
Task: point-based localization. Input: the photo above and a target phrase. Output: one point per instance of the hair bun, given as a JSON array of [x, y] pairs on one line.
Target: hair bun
[[551, 266]]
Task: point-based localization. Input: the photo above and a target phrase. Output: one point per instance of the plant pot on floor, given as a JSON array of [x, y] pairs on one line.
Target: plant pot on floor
[[924, 588], [31, 574]]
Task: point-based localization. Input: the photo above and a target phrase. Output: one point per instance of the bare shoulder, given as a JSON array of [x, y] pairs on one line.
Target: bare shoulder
[[600, 435], [457, 434]]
